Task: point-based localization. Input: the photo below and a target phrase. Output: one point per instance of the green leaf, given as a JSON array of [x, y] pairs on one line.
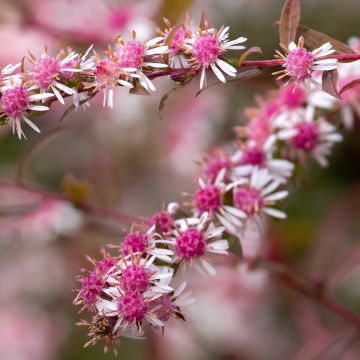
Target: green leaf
[[289, 21]]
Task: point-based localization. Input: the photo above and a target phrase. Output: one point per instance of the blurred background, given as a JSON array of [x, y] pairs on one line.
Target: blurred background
[[130, 159]]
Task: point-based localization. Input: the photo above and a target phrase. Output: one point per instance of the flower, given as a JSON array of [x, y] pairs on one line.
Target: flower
[[137, 55], [306, 134], [299, 63], [16, 100], [208, 48], [252, 196], [194, 238], [47, 72]]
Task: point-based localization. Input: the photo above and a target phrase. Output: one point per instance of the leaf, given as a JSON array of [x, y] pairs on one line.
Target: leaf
[[241, 76], [289, 21], [204, 22], [350, 85], [245, 55], [329, 82], [314, 39], [170, 93], [72, 107], [169, 39], [138, 89]]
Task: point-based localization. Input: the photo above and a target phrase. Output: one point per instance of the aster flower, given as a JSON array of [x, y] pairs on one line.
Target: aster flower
[[251, 197], [140, 56], [194, 238], [309, 135], [144, 243], [177, 47], [48, 73], [214, 163], [208, 48], [300, 64], [17, 100], [251, 155]]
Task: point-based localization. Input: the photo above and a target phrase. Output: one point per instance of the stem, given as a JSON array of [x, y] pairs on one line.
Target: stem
[[87, 207], [311, 290]]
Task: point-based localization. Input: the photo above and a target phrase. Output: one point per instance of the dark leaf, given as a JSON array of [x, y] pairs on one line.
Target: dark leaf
[[329, 82], [72, 107], [289, 21], [314, 39], [170, 93], [350, 85], [245, 55], [244, 75], [138, 89]]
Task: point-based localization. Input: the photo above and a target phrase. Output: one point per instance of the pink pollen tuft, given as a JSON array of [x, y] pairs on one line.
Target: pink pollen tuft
[[14, 101], [134, 242], [178, 39], [166, 307], [91, 288], [106, 264], [107, 73], [252, 156], [208, 199], [132, 306], [46, 69], [214, 165], [206, 49], [292, 97], [248, 199], [190, 244], [131, 55], [72, 64], [307, 136], [135, 278], [299, 64], [164, 220]]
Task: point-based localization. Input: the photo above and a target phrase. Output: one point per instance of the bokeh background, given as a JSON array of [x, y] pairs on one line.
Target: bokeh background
[[132, 160]]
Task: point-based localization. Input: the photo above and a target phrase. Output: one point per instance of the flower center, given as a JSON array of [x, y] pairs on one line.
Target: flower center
[[134, 242], [248, 199], [292, 96], [166, 307], [307, 136], [178, 39], [91, 288], [206, 49], [299, 64], [132, 306], [135, 278], [190, 244], [46, 69], [14, 102], [72, 64], [163, 220], [252, 156], [107, 73], [131, 55], [208, 199], [214, 165]]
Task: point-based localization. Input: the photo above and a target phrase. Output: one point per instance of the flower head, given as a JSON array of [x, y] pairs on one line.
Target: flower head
[[208, 48], [300, 63]]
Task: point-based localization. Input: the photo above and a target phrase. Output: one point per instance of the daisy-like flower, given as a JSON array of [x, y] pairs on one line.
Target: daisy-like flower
[[169, 305], [108, 75], [251, 155], [49, 72], [145, 243], [140, 56], [214, 163], [208, 48], [300, 64], [251, 197], [196, 237], [307, 134], [17, 100], [177, 47]]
